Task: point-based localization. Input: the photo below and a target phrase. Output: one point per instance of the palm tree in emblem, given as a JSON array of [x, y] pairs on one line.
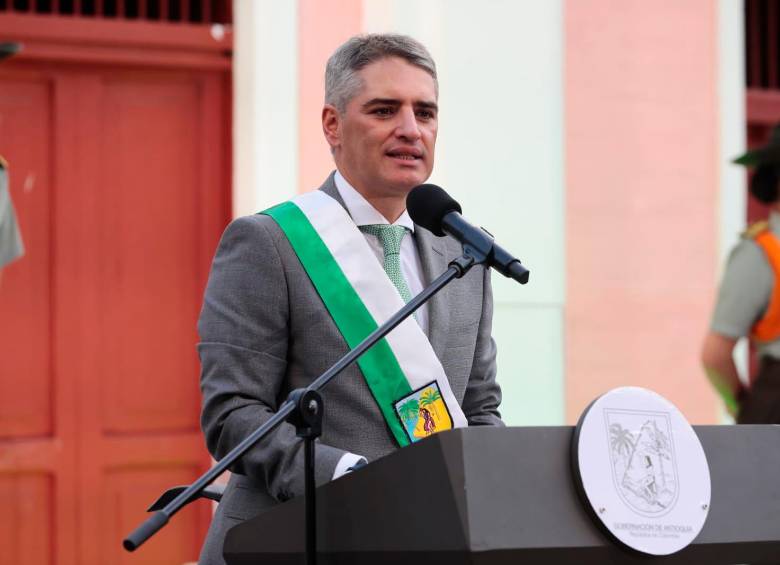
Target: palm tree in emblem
[[428, 400], [621, 440], [409, 412]]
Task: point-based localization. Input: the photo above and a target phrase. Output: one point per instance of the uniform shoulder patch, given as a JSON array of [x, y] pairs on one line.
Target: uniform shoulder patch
[[755, 229]]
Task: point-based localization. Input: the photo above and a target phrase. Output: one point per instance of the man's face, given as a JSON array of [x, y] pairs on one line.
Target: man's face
[[384, 140]]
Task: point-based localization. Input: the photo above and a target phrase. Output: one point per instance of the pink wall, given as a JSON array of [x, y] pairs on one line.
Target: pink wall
[[323, 26], [641, 184]]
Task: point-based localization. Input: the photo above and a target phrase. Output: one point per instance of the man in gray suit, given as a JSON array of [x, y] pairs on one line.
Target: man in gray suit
[[267, 326]]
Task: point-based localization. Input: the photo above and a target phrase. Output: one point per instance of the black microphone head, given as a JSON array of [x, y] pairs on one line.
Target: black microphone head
[[428, 204]]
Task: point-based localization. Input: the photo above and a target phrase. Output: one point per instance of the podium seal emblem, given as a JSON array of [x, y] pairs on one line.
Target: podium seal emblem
[[641, 471]]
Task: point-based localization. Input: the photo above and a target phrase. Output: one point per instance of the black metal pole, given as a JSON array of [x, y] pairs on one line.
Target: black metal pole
[[311, 502], [307, 420]]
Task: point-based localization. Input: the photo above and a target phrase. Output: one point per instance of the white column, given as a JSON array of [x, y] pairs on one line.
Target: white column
[[265, 104], [731, 86], [732, 203]]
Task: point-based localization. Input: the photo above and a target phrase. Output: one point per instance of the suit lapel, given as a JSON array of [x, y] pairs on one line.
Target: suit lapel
[[434, 263], [329, 188]]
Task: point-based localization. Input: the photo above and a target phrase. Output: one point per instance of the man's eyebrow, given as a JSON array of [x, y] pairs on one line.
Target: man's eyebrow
[[429, 105], [395, 102], [382, 101]]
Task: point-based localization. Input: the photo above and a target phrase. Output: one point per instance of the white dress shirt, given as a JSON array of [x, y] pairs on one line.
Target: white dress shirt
[[364, 214]]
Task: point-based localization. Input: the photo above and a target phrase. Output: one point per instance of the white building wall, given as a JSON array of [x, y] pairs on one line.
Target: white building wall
[[500, 149], [731, 86], [733, 194], [265, 104]]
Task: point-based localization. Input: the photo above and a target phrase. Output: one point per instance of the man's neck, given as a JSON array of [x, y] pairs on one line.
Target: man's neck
[[391, 206]]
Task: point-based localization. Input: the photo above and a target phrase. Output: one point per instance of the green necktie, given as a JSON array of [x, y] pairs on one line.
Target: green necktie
[[391, 237]]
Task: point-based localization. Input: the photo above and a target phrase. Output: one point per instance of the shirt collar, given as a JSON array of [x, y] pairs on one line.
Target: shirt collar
[[362, 212]]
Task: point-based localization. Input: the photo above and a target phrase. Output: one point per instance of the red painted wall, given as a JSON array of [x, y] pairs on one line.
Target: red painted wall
[[641, 187], [317, 43], [119, 165]]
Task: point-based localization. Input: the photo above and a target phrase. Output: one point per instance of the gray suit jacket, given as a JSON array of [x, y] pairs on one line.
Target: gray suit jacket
[[265, 332]]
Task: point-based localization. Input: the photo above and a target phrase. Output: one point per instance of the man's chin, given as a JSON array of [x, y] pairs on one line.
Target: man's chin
[[405, 183]]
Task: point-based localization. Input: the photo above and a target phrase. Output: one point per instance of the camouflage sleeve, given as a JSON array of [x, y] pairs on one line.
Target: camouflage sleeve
[[10, 240], [744, 291]]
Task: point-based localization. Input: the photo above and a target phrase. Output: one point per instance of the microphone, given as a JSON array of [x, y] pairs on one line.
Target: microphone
[[432, 208]]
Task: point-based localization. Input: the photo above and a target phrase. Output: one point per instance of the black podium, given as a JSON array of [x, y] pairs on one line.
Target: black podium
[[506, 496]]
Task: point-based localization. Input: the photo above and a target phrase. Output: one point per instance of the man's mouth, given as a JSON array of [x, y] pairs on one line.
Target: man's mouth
[[405, 154]]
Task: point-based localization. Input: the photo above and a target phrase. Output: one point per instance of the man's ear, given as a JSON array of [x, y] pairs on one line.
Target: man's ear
[[331, 126]]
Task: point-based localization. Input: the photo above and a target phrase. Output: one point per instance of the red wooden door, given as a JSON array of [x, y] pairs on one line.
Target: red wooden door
[[119, 178], [37, 468]]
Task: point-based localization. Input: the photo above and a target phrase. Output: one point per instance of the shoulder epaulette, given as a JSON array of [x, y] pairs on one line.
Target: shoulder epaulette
[[3, 163], [755, 229]]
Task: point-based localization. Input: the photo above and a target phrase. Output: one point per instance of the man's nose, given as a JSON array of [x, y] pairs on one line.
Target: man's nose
[[408, 128]]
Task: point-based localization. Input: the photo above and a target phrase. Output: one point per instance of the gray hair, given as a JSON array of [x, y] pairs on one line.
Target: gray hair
[[342, 81]]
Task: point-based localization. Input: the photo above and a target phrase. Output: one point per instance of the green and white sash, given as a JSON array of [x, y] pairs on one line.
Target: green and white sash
[[402, 371]]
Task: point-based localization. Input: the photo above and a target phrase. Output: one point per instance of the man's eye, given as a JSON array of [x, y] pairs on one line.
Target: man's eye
[[383, 111], [426, 114]]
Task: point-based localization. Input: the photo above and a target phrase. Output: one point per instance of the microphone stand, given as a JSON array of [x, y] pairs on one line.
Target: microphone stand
[[304, 408]]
